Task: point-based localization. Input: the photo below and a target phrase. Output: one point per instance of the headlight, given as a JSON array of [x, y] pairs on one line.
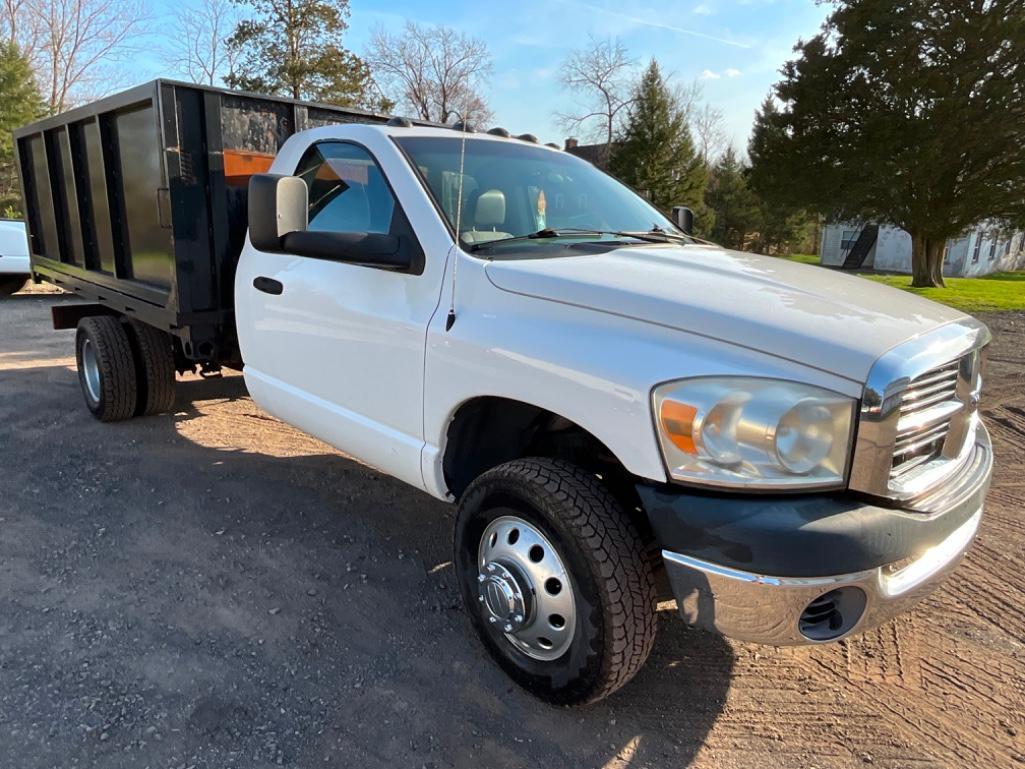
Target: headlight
[[753, 433]]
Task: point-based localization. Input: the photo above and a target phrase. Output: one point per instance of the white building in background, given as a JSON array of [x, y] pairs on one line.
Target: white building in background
[[979, 252]]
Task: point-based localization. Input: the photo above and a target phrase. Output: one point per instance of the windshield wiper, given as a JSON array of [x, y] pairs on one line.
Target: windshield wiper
[[654, 236]]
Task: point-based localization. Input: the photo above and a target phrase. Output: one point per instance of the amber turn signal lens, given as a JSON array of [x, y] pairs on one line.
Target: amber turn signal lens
[[678, 424]]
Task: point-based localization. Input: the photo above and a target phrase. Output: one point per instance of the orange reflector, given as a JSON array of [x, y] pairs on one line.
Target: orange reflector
[[239, 165], [678, 422]]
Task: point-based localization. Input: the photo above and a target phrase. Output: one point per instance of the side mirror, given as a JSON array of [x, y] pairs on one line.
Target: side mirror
[[683, 218], [278, 205]]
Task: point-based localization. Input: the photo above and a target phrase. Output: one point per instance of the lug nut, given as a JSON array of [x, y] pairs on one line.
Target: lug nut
[[492, 620], [480, 598], [481, 578], [508, 628], [518, 618]]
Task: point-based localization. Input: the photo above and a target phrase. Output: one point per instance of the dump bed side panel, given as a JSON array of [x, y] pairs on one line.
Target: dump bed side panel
[[139, 200], [90, 180]]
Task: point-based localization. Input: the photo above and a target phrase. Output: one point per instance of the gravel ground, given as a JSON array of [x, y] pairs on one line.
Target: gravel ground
[[214, 589]]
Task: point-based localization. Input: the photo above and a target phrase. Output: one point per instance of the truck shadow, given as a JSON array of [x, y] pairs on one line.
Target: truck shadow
[[308, 597]]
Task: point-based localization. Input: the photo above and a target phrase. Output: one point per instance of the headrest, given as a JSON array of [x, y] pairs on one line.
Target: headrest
[[490, 209]]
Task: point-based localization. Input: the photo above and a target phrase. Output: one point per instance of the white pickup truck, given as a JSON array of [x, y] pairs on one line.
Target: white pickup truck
[[14, 261], [618, 410]]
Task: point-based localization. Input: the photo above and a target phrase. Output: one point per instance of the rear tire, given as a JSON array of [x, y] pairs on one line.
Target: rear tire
[[106, 368], [571, 521], [11, 284], [154, 369]]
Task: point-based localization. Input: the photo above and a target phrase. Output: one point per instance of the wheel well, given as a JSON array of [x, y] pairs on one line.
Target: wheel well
[[487, 431]]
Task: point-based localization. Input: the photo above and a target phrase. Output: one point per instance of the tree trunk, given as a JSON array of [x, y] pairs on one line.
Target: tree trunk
[[926, 261], [934, 254]]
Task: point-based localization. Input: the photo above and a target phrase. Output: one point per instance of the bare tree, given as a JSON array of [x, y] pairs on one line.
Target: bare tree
[[437, 73], [707, 123], [73, 43], [709, 129], [601, 76], [200, 50], [19, 25]]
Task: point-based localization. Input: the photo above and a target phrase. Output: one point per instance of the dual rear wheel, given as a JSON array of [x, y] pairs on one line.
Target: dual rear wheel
[[125, 369]]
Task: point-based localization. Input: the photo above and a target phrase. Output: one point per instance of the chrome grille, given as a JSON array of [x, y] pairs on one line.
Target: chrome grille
[[926, 408], [919, 412]]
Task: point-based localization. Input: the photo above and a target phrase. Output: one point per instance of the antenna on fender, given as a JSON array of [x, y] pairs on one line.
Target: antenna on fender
[[464, 127]]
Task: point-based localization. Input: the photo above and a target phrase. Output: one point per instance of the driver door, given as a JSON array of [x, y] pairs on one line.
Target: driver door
[[337, 349]]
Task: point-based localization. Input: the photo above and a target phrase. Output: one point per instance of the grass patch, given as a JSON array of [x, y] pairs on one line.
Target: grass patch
[[999, 292], [802, 258]]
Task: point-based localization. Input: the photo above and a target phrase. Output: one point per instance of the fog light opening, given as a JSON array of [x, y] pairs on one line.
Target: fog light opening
[[832, 614]]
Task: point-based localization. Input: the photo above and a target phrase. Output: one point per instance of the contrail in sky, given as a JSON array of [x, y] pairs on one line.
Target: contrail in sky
[[650, 23]]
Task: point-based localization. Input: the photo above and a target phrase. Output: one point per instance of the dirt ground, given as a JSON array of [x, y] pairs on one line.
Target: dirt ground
[[214, 589]]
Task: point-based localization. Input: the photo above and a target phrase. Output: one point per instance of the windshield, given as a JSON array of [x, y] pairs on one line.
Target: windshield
[[511, 189]]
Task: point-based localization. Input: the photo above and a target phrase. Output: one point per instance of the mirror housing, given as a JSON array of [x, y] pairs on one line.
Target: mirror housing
[[278, 206], [683, 218], [366, 248]]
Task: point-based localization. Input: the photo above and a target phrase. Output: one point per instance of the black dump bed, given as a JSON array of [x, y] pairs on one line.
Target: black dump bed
[[138, 201]]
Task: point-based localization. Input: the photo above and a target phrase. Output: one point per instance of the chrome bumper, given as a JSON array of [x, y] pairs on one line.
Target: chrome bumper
[[785, 611]]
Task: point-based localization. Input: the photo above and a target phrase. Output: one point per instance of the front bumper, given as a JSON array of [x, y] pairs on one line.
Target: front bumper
[[798, 570]]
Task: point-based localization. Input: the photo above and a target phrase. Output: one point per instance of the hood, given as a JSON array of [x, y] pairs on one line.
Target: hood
[[818, 317]]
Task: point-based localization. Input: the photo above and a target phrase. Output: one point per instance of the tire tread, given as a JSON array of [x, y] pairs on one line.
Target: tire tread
[[620, 560], [117, 367], [154, 360]]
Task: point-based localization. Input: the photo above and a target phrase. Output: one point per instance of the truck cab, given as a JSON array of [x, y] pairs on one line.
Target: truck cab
[[620, 410]]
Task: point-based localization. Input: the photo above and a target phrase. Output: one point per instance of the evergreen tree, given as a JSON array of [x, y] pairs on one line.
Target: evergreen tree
[[783, 223], [293, 48], [731, 200], [20, 103], [655, 154], [907, 112]]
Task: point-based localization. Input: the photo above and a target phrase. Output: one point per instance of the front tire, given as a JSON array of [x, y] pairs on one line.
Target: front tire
[[572, 637], [106, 368]]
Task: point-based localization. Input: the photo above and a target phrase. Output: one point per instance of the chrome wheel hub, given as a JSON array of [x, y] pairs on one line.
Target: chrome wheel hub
[[91, 370], [502, 596], [524, 589]]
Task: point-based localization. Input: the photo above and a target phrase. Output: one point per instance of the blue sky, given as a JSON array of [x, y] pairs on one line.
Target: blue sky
[[733, 47]]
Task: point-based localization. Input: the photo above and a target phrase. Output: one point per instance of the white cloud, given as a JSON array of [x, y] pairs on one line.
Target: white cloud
[[710, 75], [703, 10], [733, 72]]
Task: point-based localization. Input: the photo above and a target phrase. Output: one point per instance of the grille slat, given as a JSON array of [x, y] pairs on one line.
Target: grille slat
[[922, 388], [932, 400], [944, 372]]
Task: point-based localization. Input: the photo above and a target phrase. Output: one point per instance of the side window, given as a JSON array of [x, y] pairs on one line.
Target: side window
[[348, 192]]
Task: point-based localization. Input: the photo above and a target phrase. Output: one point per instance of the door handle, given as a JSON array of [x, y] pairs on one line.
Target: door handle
[[268, 285]]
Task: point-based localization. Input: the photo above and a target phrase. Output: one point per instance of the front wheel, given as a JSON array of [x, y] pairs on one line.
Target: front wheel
[[556, 578]]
